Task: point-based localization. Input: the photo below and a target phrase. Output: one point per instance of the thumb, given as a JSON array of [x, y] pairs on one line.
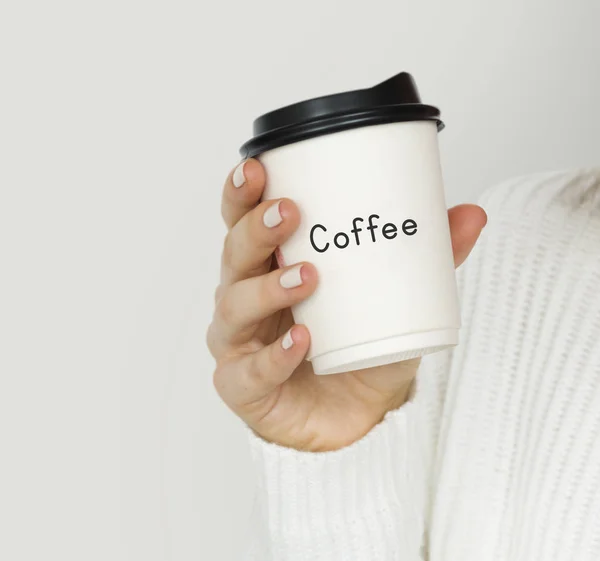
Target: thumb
[[466, 222]]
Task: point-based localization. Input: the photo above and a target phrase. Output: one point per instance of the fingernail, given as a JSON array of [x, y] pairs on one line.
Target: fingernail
[[238, 175], [287, 342], [291, 278], [272, 217]]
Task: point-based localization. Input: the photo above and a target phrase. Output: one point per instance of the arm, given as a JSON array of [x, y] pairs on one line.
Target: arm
[[336, 482], [368, 501]]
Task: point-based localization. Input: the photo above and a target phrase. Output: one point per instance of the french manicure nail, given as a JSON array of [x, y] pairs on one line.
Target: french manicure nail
[[238, 175], [291, 278], [272, 217], [287, 342]]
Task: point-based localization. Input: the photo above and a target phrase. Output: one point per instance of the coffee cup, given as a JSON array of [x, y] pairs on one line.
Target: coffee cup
[[364, 169]]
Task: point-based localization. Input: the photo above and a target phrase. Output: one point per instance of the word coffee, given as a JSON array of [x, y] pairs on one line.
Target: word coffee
[[321, 240]]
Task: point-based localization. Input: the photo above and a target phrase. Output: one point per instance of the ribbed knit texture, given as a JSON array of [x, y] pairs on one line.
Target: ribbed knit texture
[[497, 456]]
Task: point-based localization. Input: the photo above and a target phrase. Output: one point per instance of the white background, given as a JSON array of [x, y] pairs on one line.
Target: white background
[[118, 123]]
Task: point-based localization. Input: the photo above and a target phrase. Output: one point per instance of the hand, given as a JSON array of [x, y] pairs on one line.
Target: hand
[[261, 373]]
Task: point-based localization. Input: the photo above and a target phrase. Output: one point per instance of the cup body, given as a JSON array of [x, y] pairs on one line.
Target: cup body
[[374, 223]]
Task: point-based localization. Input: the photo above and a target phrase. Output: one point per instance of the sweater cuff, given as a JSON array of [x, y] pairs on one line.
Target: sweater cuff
[[362, 502]]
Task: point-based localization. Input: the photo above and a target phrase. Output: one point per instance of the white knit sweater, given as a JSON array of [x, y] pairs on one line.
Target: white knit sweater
[[497, 456]]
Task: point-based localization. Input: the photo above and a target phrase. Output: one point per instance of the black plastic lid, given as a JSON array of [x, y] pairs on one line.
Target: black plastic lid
[[396, 99]]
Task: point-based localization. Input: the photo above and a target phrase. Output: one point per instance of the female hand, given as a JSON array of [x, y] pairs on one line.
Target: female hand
[[261, 373]]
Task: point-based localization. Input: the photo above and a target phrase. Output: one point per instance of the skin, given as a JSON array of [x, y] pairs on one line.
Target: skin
[[274, 390]]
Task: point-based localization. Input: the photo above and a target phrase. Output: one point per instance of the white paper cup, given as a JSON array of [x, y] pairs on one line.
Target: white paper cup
[[374, 223]]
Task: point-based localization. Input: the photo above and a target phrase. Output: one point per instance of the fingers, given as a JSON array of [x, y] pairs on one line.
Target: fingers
[[242, 191], [251, 377], [466, 223], [246, 303], [251, 242]]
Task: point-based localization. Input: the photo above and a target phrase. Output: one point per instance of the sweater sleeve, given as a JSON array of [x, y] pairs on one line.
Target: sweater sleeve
[[368, 501]]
